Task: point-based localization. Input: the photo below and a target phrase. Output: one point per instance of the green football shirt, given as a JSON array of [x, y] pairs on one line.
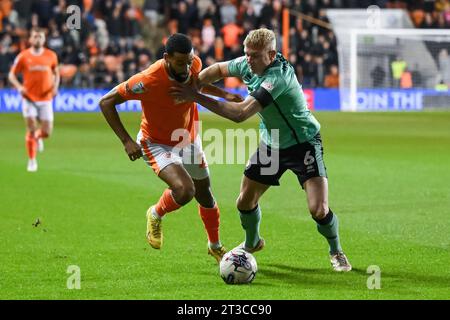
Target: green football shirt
[[285, 118]]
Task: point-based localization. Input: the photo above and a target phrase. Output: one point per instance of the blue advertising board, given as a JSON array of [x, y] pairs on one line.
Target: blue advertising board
[[86, 100]]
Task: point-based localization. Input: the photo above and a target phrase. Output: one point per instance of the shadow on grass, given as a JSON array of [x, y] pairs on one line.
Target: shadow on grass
[[319, 277]]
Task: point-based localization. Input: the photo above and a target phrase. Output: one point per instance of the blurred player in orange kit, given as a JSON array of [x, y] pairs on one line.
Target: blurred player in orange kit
[[168, 139], [39, 68]]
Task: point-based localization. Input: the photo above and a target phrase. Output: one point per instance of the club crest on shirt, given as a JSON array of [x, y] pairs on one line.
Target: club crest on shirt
[[267, 85], [138, 88]]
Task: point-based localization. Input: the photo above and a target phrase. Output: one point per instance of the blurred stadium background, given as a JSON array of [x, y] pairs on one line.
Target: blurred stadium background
[[118, 38], [388, 170]]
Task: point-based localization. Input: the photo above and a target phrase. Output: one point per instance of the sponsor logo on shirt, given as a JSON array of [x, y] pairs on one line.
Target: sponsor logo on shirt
[[138, 88], [267, 85], [39, 68]]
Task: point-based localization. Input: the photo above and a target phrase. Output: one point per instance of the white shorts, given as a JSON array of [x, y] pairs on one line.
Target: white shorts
[[42, 110], [191, 157]]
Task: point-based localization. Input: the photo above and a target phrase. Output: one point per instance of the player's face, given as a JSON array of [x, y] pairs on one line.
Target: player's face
[[179, 65], [259, 59], [37, 39]]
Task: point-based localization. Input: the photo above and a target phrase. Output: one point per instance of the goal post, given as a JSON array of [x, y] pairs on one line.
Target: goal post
[[396, 69]]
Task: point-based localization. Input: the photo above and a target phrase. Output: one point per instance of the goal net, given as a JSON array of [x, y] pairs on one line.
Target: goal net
[[398, 69], [386, 64]]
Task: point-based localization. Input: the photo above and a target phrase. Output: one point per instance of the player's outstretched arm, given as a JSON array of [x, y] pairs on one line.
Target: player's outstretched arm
[[221, 93], [213, 73], [108, 105], [234, 111]]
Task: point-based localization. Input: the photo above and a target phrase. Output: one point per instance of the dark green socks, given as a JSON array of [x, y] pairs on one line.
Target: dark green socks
[[250, 220], [329, 228]]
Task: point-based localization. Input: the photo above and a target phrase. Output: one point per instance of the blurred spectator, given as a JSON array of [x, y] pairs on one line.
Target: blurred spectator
[[208, 33], [332, 78], [114, 24], [219, 49], [406, 80], [203, 6], [441, 86], [418, 16], [429, 22], [183, 17], [212, 13], [143, 62], [139, 48], [133, 17], [267, 13], [228, 12], [446, 15], [249, 17], [6, 59], [55, 40], [320, 71], [257, 6], [121, 37], [397, 67], [151, 9], [43, 9], [23, 8], [378, 76], [231, 34], [309, 71], [305, 44]]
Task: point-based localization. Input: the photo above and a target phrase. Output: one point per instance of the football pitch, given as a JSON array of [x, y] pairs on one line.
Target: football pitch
[[389, 178]]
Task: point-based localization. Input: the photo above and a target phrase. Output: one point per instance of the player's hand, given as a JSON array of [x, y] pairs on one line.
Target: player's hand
[[133, 150], [183, 92], [233, 97], [22, 91], [55, 92]]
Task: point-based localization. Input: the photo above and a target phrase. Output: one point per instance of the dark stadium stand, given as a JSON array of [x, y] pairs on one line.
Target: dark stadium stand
[[120, 37]]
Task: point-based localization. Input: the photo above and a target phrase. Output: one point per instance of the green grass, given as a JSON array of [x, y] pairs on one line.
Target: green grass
[[389, 183]]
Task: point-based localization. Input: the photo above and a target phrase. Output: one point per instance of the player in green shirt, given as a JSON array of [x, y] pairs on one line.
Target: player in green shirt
[[290, 137]]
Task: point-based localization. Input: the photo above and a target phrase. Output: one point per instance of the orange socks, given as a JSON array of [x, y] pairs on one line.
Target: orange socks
[[211, 219], [166, 203], [210, 216], [31, 144]]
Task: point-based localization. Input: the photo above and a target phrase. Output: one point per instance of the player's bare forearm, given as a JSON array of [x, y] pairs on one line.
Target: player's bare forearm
[[213, 73], [57, 78], [213, 90], [234, 111], [220, 93], [230, 110], [108, 107]]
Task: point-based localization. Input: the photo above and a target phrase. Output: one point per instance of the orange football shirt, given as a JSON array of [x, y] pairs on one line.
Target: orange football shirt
[[163, 117], [37, 71]]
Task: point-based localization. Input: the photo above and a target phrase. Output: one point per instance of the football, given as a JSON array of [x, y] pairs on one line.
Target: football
[[238, 267]]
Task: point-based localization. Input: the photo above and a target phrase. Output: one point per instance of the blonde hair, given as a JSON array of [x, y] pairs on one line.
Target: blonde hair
[[261, 39]]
